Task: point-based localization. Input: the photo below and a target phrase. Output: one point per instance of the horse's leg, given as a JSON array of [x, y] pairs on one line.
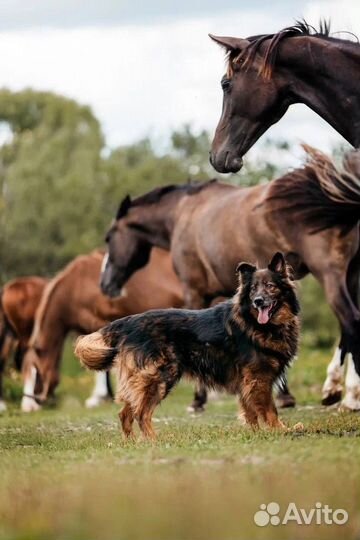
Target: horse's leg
[[200, 398], [345, 306], [28, 403], [2, 402], [19, 356], [351, 400], [193, 300], [7, 344], [284, 397], [332, 388], [102, 390]]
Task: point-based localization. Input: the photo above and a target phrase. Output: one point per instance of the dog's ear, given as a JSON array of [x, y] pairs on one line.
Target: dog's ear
[[278, 264], [245, 269]]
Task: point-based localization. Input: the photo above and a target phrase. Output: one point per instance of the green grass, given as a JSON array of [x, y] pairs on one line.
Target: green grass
[[67, 474]]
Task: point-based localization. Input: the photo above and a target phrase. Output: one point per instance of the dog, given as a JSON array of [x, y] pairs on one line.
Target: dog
[[242, 345]]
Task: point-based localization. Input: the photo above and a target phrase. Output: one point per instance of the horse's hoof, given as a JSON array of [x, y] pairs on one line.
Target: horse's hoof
[[96, 401], [29, 404], [349, 404], [194, 408], [285, 401], [3, 406], [330, 399]]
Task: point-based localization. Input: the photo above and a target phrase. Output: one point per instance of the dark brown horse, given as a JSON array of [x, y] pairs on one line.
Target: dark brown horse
[[268, 73], [310, 214], [73, 301], [18, 303]]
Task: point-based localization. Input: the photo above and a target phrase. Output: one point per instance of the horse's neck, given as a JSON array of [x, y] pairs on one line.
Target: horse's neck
[[327, 81], [160, 219], [49, 329]]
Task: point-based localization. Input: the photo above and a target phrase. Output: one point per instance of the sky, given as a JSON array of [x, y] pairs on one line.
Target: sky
[[147, 67]]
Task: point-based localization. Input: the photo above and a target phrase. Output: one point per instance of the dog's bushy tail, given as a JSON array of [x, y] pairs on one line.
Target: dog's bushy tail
[[94, 353]]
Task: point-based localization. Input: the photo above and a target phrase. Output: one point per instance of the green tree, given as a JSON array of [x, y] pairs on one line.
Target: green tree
[[48, 179]]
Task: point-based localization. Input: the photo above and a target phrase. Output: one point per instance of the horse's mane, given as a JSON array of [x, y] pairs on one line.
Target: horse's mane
[[50, 289], [320, 194], [301, 28], [155, 195]]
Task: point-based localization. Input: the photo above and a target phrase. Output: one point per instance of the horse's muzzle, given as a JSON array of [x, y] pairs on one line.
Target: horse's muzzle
[[226, 162]]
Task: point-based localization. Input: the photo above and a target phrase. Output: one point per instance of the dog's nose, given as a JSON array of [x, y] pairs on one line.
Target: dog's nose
[[258, 301]]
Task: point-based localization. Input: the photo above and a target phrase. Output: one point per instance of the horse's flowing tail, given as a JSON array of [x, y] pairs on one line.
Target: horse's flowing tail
[[94, 353], [320, 194]]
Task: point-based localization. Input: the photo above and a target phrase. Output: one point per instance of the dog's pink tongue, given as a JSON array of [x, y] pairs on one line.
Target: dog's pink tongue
[[263, 315]]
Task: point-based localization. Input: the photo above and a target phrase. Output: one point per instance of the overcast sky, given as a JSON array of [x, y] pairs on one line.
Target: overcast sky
[[146, 67]]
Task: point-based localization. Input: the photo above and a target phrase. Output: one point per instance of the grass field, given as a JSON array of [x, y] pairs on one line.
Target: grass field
[[67, 474]]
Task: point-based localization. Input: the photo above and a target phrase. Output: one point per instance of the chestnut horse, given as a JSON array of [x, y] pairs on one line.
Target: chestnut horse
[[268, 73], [18, 303], [73, 301], [311, 214], [20, 299]]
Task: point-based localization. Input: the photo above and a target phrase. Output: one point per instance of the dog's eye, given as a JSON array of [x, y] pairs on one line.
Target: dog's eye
[[270, 286]]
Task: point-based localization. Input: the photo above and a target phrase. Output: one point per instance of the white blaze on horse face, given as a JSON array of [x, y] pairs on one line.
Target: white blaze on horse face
[[104, 262], [335, 371], [28, 404], [100, 392], [351, 400]]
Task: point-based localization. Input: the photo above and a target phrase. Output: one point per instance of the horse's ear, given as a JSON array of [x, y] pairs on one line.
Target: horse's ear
[[244, 268], [278, 264], [123, 207], [230, 43]]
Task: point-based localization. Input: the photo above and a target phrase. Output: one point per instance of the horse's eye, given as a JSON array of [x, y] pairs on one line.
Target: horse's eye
[[225, 84]]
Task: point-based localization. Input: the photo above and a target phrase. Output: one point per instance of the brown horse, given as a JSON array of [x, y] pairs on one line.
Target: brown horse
[[73, 301], [20, 299], [18, 303], [311, 214], [268, 73]]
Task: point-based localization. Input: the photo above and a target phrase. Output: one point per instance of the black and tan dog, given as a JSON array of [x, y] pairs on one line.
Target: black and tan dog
[[242, 345]]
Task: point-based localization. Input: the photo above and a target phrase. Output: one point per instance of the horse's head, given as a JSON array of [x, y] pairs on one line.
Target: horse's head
[[128, 250], [253, 100]]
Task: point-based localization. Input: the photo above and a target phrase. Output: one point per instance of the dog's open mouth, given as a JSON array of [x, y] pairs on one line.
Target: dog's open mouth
[[265, 312]]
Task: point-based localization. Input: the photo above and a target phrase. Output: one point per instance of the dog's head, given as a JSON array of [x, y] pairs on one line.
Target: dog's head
[[267, 294]]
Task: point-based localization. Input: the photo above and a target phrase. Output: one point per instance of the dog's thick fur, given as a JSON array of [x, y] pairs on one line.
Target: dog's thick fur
[[236, 346]]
